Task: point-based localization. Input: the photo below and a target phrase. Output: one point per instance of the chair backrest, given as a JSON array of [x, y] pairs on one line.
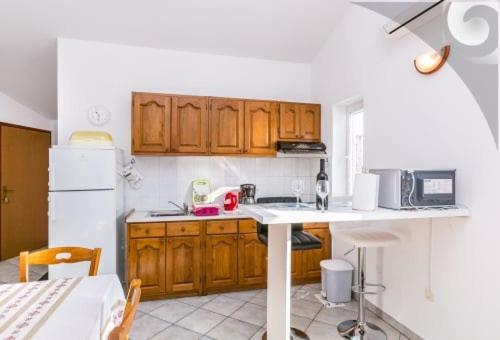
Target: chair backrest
[[56, 256], [122, 331]]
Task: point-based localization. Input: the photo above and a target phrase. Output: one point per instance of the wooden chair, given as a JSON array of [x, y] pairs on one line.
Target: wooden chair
[[56, 256], [122, 331]]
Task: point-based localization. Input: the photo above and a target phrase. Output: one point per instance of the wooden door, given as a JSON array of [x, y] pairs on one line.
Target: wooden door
[[24, 190], [297, 272], [252, 260], [312, 258], [183, 264], [150, 123], [226, 126], [289, 127], [146, 261], [189, 124], [310, 122], [260, 128], [221, 261]]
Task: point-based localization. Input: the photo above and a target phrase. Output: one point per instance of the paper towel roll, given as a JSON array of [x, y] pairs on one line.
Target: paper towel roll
[[365, 193]]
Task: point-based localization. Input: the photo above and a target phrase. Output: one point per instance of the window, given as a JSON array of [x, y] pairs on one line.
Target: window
[[355, 143]]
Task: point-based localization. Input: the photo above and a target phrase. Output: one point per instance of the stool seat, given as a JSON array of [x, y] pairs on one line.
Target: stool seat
[[368, 238]]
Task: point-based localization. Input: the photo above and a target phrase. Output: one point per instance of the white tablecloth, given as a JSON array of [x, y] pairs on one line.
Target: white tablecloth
[[78, 308]]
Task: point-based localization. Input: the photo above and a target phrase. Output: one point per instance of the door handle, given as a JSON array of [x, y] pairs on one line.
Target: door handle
[[5, 191]]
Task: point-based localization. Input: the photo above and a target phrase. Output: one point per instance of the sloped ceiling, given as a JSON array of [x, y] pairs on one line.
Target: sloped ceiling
[[290, 30]]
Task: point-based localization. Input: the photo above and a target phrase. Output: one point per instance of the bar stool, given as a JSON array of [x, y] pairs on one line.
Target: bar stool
[[301, 240], [362, 239]]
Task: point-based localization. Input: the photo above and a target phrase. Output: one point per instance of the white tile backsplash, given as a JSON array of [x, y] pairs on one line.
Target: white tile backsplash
[[169, 178]]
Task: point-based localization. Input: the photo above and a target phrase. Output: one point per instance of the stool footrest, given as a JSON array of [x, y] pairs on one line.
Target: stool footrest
[[357, 289]]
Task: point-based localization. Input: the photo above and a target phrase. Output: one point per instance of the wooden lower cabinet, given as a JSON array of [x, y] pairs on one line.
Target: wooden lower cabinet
[[221, 256], [146, 261], [193, 258], [297, 272], [252, 260], [183, 264], [311, 268]]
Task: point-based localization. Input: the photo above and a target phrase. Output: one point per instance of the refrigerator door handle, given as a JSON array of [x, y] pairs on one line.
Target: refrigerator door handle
[[52, 207], [52, 173]]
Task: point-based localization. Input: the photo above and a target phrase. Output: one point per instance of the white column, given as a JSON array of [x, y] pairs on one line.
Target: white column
[[278, 281]]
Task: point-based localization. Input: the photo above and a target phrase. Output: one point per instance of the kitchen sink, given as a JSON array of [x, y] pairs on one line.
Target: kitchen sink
[[164, 213]]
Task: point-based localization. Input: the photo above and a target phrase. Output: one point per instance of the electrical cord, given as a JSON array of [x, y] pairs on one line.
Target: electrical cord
[[412, 173]]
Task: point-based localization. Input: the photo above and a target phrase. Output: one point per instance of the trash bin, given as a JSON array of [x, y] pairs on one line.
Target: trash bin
[[336, 280]]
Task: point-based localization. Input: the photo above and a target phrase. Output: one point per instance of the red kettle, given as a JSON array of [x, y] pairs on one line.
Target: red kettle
[[230, 201]]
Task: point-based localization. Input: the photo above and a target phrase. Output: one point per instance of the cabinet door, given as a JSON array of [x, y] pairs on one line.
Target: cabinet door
[[289, 127], [150, 123], [297, 272], [260, 128], [251, 260], [310, 122], [146, 261], [189, 124], [183, 264], [312, 258], [221, 261], [226, 126]]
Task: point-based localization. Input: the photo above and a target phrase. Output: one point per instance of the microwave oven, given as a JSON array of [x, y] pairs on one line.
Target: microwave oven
[[409, 189]]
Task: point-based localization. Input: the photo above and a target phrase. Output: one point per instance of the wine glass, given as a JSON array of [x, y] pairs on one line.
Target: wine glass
[[298, 189], [322, 189]]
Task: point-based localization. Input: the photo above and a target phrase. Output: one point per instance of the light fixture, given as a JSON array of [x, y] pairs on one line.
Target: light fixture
[[432, 61]]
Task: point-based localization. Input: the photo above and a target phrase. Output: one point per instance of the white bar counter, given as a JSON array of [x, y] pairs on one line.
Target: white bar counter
[[279, 218]]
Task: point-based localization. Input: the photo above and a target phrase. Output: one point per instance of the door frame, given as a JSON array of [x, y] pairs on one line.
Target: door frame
[[2, 124]]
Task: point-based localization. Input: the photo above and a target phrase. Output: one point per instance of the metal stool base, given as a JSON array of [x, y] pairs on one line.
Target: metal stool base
[[295, 334], [350, 329]]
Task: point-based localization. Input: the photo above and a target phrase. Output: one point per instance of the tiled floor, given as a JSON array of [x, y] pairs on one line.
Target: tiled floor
[[241, 315], [9, 271]]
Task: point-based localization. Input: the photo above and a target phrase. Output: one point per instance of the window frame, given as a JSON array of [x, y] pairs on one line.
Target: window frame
[[351, 110]]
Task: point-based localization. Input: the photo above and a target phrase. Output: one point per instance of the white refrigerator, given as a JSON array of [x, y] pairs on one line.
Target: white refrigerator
[[86, 205]]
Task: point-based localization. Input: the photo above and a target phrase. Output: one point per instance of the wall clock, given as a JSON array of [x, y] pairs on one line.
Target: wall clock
[[99, 115]]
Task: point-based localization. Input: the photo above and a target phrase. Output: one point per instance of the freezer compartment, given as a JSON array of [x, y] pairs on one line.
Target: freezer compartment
[[83, 219], [74, 169]]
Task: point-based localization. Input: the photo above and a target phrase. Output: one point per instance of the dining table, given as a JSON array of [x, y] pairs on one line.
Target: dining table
[[280, 217], [72, 308]]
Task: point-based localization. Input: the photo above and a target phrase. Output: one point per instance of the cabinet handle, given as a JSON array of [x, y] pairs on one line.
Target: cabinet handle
[[183, 229], [221, 227], [235, 237]]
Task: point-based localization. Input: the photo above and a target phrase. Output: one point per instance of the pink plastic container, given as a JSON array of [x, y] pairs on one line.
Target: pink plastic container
[[206, 210]]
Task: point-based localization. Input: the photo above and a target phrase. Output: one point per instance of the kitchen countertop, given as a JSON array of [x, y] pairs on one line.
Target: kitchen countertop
[[273, 214], [142, 216]]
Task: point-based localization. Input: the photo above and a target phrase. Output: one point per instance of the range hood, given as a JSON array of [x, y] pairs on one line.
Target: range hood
[[301, 150]]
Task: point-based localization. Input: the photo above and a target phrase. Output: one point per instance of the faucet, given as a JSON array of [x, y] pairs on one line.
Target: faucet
[[184, 207]]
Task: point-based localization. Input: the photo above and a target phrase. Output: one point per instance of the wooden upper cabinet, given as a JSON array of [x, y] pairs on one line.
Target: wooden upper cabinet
[[226, 126], [310, 121], [189, 124], [183, 264], [150, 123], [300, 122], [289, 121], [260, 127]]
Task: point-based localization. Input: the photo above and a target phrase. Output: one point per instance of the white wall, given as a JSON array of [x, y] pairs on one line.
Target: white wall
[[97, 73], [421, 122], [92, 73], [13, 112]]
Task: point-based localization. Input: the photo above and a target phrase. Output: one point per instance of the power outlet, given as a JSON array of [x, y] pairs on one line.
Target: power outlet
[[429, 295]]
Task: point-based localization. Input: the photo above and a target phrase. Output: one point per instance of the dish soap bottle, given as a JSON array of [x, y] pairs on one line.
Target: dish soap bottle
[[321, 176]]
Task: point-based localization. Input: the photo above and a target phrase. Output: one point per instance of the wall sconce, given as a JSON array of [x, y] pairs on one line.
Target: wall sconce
[[432, 61]]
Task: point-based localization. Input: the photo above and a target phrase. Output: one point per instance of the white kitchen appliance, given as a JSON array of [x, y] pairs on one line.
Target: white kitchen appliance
[[86, 205]]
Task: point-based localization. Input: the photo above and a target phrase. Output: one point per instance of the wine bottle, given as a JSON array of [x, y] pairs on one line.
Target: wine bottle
[[321, 176]]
